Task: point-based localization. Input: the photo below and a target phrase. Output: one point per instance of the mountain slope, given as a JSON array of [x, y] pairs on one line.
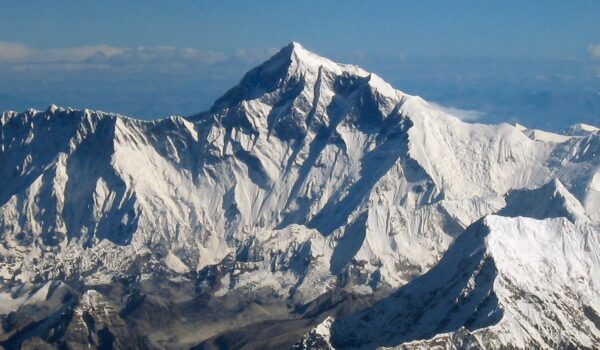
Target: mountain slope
[[506, 283]]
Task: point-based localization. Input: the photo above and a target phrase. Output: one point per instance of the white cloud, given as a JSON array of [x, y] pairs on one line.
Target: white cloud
[[165, 54], [22, 57], [76, 54], [254, 55], [14, 51], [19, 53], [594, 51], [467, 115]]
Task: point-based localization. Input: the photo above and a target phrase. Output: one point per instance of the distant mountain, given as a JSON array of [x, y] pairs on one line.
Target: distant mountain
[[312, 206]]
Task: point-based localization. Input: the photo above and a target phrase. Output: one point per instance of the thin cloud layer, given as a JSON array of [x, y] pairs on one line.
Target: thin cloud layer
[[19, 53], [594, 51], [468, 115], [20, 56], [13, 52]]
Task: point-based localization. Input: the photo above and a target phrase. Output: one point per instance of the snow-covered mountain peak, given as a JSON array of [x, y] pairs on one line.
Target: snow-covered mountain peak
[[307, 60], [297, 92], [52, 108], [581, 129], [557, 202]]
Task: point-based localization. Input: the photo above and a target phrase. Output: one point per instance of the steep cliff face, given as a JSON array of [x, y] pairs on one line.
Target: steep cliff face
[[307, 178]]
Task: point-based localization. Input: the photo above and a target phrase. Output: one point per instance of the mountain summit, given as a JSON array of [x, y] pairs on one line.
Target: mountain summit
[[310, 191], [297, 87]]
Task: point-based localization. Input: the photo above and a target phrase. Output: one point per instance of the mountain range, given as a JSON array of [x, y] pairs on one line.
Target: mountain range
[[314, 206]]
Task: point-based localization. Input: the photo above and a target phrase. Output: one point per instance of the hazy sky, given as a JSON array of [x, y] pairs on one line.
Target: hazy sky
[[537, 62]]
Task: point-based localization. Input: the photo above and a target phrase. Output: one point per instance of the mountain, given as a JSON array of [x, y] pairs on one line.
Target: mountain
[[581, 129], [557, 202], [311, 189], [505, 283]]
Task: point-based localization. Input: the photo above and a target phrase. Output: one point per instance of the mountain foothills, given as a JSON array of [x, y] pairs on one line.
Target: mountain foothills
[[313, 206]]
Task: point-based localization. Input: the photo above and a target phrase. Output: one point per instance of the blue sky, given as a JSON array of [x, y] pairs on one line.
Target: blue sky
[[537, 62]]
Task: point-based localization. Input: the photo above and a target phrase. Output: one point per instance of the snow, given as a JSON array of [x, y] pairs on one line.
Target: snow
[[9, 304], [528, 282], [520, 127], [557, 202], [175, 264], [545, 136], [581, 129], [305, 59]]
